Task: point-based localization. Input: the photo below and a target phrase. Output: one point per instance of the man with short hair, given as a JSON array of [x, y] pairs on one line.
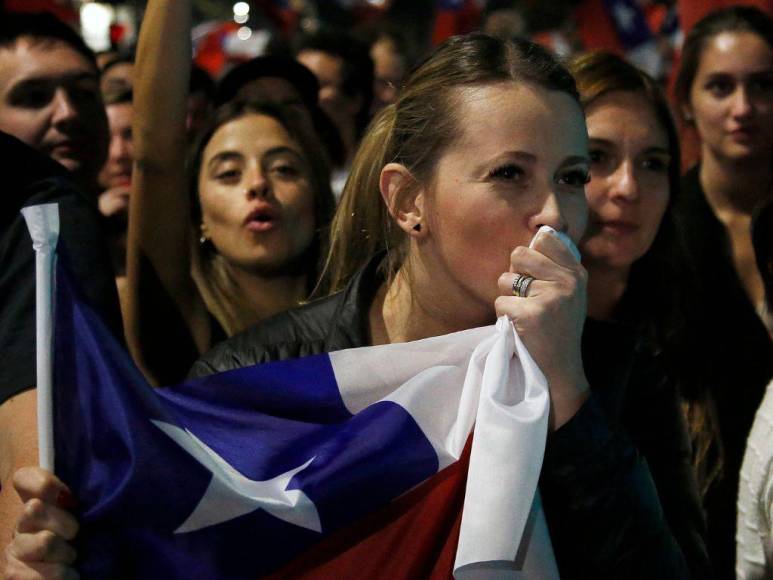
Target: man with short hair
[[344, 71], [49, 100], [49, 94]]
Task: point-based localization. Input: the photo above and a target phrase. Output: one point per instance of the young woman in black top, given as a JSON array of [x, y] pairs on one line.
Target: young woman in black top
[[725, 92]]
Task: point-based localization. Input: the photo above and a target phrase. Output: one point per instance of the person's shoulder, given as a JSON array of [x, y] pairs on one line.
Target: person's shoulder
[[294, 333], [31, 178]]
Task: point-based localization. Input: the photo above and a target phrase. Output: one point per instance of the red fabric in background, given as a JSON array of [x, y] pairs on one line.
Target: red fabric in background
[[413, 537], [62, 9], [690, 11], [595, 27], [451, 22]]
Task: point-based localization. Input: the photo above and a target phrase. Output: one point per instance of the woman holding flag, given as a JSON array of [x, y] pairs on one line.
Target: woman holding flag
[[437, 232]]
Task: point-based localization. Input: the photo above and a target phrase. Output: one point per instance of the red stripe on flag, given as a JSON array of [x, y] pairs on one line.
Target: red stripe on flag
[[413, 537]]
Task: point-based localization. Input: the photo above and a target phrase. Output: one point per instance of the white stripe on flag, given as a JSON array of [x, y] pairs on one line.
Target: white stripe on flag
[[484, 378]]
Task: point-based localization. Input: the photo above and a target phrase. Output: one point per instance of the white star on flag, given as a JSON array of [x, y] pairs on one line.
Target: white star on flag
[[625, 16], [231, 495]]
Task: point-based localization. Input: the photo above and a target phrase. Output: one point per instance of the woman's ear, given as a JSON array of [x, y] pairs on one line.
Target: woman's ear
[[405, 207]]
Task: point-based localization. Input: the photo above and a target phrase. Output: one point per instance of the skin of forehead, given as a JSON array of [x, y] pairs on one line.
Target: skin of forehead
[[231, 137], [30, 58], [726, 45], [469, 98], [625, 101]]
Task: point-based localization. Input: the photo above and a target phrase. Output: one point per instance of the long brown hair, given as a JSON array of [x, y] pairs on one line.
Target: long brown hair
[[210, 270], [414, 131], [699, 403], [662, 307]]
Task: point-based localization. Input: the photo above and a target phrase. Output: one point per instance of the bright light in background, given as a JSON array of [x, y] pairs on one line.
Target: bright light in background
[[239, 19], [244, 33], [241, 9], [95, 25]]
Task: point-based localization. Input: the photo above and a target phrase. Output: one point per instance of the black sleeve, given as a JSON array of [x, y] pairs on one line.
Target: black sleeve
[[32, 179], [656, 422], [605, 516]]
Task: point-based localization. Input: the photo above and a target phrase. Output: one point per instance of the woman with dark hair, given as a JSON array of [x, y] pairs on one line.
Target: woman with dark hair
[[725, 91], [630, 243], [437, 232], [245, 243]]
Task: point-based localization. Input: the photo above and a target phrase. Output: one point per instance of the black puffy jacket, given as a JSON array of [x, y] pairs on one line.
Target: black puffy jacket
[[617, 483]]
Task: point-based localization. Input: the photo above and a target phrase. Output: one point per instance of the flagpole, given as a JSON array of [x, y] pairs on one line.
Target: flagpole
[[43, 225]]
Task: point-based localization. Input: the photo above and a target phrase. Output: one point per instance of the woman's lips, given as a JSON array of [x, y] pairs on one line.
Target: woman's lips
[[618, 227], [744, 133], [261, 220]]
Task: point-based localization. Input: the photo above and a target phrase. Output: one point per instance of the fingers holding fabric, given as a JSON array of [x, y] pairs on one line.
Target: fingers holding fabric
[[40, 548], [43, 546], [19, 570], [35, 482], [39, 516], [544, 294]]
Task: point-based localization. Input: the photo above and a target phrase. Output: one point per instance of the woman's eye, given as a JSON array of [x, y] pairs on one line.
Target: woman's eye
[[228, 175], [597, 156], [285, 170], [507, 172], [720, 87], [656, 164], [762, 86], [576, 178]]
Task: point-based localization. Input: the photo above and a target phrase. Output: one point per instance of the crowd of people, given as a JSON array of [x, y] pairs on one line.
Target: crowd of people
[[334, 194]]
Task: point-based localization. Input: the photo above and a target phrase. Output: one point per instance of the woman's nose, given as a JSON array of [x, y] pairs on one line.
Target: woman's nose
[[257, 184], [741, 104], [551, 214], [624, 183]]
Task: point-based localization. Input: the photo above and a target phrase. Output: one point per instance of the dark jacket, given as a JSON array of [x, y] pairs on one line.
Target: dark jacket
[[603, 509], [730, 351], [31, 178]]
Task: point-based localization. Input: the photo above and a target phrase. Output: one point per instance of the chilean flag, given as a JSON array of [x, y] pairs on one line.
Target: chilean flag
[[619, 26], [359, 463]]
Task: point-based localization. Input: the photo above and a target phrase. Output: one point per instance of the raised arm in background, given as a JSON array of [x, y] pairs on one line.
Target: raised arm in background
[[163, 306]]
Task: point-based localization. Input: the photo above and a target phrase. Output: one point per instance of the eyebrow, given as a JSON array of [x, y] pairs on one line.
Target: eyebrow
[[522, 155], [235, 155], [718, 74], [575, 159], [608, 143], [507, 155], [58, 79]]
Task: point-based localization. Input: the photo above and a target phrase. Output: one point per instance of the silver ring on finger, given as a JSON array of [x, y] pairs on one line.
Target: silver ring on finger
[[521, 284]]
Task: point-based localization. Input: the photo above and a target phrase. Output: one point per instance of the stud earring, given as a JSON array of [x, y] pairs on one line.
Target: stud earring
[[417, 228]]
